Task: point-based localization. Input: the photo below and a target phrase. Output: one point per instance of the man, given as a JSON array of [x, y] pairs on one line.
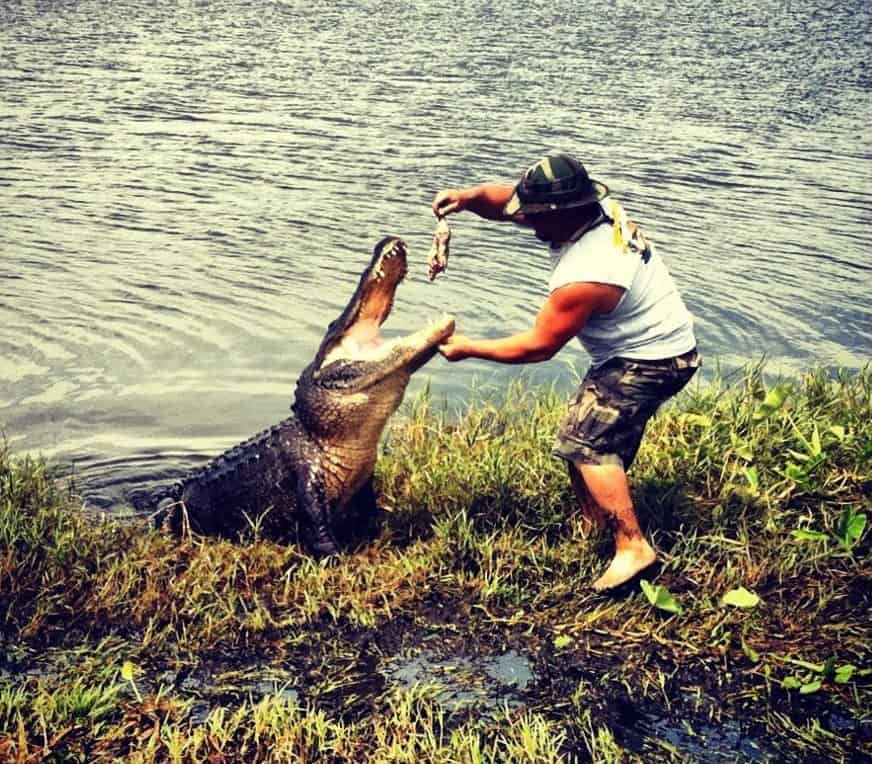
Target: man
[[610, 289]]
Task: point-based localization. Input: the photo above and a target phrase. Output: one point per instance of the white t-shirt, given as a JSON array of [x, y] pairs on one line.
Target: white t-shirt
[[650, 321]]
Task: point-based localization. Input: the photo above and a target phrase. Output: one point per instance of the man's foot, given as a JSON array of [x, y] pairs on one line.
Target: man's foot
[[626, 564]]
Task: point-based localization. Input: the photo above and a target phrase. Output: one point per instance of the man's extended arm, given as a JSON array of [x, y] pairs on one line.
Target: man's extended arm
[[486, 200], [562, 317]]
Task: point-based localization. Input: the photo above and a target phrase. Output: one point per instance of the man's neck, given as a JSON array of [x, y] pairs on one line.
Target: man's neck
[[579, 224]]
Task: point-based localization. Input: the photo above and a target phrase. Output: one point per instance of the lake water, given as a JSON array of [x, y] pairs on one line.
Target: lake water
[[189, 191]]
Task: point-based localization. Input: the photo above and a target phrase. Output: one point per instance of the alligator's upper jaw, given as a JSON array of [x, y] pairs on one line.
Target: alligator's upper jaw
[[371, 302]]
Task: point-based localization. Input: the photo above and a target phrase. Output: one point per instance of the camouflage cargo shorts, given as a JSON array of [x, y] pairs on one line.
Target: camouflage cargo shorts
[[607, 416]]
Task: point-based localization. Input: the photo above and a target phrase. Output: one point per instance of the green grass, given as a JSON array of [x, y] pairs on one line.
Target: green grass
[[122, 644]]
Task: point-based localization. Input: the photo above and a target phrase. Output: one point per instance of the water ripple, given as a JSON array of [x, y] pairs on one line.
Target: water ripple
[[189, 195]]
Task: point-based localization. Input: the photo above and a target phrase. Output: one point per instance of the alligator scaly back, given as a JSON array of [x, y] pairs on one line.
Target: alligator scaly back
[[251, 483]]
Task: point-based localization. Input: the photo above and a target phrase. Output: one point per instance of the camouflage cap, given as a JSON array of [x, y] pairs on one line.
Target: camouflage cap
[[555, 182]]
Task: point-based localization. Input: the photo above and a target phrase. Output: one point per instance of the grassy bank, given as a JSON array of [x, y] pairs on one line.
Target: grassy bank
[[750, 640]]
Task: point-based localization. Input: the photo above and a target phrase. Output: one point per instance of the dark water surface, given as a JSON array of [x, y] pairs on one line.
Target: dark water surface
[[189, 191]]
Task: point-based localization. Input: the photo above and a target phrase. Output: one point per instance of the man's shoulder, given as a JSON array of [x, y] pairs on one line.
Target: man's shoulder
[[596, 241]]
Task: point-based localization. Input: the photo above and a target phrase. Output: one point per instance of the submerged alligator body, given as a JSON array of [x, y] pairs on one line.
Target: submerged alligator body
[[312, 472]]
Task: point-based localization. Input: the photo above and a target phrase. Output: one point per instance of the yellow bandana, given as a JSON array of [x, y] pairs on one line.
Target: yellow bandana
[[626, 235]]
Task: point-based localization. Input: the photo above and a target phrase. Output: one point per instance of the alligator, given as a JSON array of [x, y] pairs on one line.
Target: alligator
[[310, 476]]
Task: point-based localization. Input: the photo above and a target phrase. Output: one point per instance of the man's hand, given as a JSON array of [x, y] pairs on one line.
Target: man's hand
[[455, 348], [447, 202]]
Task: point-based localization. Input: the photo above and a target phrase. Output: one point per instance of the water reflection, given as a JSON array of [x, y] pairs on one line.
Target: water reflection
[[489, 683]]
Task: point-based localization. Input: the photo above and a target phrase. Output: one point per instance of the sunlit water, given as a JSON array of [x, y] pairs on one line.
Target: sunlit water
[[189, 191]]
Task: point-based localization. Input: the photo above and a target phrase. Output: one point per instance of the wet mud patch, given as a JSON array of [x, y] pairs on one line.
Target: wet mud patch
[[463, 683], [209, 690], [684, 729]]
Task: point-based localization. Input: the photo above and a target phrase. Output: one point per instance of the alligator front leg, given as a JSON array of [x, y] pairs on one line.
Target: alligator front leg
[[359, 521], [314, 508]]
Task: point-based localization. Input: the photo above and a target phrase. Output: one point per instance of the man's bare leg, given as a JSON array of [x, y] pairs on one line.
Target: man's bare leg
[[604, 492], [590, 510]]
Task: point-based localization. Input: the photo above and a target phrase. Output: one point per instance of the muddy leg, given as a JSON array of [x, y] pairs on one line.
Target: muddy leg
[[604, 491]]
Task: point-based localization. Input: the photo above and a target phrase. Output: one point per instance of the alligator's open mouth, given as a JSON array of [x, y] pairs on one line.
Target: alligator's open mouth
[[356, 335]]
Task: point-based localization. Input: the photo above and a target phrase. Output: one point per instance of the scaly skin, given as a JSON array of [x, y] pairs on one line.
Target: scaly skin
[[312, 472]]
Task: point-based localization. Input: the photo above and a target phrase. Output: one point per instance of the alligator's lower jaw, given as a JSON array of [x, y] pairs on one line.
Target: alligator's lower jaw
[[422, 345], [438, 330], [425, 340]]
